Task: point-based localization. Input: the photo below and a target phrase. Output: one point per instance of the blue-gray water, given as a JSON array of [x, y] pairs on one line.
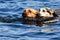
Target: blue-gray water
[[11, 9]]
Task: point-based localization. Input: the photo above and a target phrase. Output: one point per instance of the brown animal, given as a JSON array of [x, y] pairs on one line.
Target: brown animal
[[34, 17], [30, 13]]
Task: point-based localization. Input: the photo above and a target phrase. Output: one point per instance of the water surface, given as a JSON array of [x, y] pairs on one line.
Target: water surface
[[15, 30]]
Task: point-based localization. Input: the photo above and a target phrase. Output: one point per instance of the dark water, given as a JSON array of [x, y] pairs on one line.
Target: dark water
[[11, 29]]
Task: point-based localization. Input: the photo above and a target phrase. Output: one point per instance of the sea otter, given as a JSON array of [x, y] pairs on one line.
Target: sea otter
[[47, 14], [38, 17], [30, 14]]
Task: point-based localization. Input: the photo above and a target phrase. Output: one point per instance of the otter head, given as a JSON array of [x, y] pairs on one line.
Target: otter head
[[30, 13], [47, 12]]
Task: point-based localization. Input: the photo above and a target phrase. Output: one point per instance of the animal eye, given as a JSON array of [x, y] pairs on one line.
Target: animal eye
[[30, 11], [49, 12], [43, 10]]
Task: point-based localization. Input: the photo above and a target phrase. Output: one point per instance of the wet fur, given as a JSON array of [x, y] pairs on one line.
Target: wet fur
[[39, 18]]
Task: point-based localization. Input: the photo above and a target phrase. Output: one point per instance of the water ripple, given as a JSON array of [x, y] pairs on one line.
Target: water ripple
[[13, 29]]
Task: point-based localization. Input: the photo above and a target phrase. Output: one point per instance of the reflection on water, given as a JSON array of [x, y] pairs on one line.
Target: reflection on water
[[13, 28], [36, 22]]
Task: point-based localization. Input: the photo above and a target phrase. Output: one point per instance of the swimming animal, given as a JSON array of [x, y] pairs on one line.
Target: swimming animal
[[47, 12], [29, 13], [44, 15]]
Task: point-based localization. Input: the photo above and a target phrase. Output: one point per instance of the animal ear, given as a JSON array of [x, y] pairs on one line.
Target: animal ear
[[55, 15], [23, 14]]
